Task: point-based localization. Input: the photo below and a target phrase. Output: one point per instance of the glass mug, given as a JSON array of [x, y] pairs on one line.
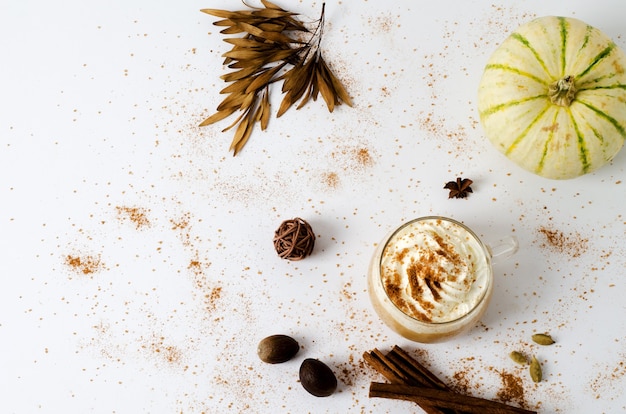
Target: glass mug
[[431, 278]]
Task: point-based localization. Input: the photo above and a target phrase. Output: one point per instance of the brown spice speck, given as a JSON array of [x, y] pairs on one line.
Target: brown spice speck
[[331, 180], [182, 226], [572, 244], [512, 390], [350, 371], [363, 157], [86, 265], [462, 383], [137, 215], [213, 297], [169, 353], [608, 376], [347, 293]]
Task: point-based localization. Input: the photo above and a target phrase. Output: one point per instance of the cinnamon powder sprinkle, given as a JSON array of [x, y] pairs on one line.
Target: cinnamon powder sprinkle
[[213, 297], [331, 180], [462, 383], [363, 157], [426, 275], [137, 215], [86, 264], [512, 389], [168, 353], [572, 244]]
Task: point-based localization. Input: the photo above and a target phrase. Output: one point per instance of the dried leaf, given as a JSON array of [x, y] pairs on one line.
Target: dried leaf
[[286, 24], [238, 86], [248, 42], [232, 30], [326, 91], [246, 63], [218, 116], [327, 80], [279, 55], [225, 14], [295, 84], [240, 74], [271, 36], [225, 22], [262, 114], [270, 5], [338, 88], [263, 79], [244, 54], [272, 26], [246, 108], [236, 121], [291, 77], [314, 86], [255, 59], [248, 100], [311, 89], [273, 13], [242, 134], [308, 93], [265, 108], [231, 101], [271, 39]]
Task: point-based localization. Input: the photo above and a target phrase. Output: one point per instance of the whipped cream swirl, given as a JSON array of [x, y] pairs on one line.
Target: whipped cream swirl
[[434, 270]]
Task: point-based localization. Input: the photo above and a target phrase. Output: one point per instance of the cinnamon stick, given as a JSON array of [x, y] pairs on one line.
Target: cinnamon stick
[[379, 362], [397, 370], [418, 373], [416, 370], [442, 399]]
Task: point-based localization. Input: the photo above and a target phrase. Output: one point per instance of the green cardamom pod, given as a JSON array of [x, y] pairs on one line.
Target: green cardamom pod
[[542, 339], [535, 370], [518, 358]]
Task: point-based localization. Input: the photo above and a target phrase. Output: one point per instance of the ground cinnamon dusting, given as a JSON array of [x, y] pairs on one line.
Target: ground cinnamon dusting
[[182, 225], [351, 371], [137, 215], [462, 384], [363, 157], [606, 383], [466, 379], [213, 297], [512, 390], [572, 244], [206, 291], [84, 264], [427, 274], [158, 345], [331, 180]]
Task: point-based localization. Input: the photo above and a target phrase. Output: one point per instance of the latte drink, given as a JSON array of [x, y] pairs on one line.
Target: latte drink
[[431, 279]]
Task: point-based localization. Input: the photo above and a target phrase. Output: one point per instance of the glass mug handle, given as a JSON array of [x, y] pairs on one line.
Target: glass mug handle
[[502, 249]]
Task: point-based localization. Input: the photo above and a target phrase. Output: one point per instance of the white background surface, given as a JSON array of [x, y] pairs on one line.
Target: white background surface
[[99, 112]]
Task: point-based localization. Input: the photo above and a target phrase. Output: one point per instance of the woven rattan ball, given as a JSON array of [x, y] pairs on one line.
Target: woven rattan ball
[[294, 239]]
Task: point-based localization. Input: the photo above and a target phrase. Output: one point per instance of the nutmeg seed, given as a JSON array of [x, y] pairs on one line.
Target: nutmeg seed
[[317, 378], [277, 348]]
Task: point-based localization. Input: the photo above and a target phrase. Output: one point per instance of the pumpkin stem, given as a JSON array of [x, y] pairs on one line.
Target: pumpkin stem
[[563, 91]]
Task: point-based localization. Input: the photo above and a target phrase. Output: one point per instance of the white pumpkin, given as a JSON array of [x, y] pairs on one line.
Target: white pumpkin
[[552, 97]]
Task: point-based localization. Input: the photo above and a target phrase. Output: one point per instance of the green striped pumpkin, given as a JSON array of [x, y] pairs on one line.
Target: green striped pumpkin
[[552, 97]]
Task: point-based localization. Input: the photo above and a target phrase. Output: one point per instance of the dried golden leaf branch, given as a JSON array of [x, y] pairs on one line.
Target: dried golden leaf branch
[[273, 45]]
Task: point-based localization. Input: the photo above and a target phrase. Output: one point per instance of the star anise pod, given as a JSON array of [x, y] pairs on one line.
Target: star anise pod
[[459, 188]]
